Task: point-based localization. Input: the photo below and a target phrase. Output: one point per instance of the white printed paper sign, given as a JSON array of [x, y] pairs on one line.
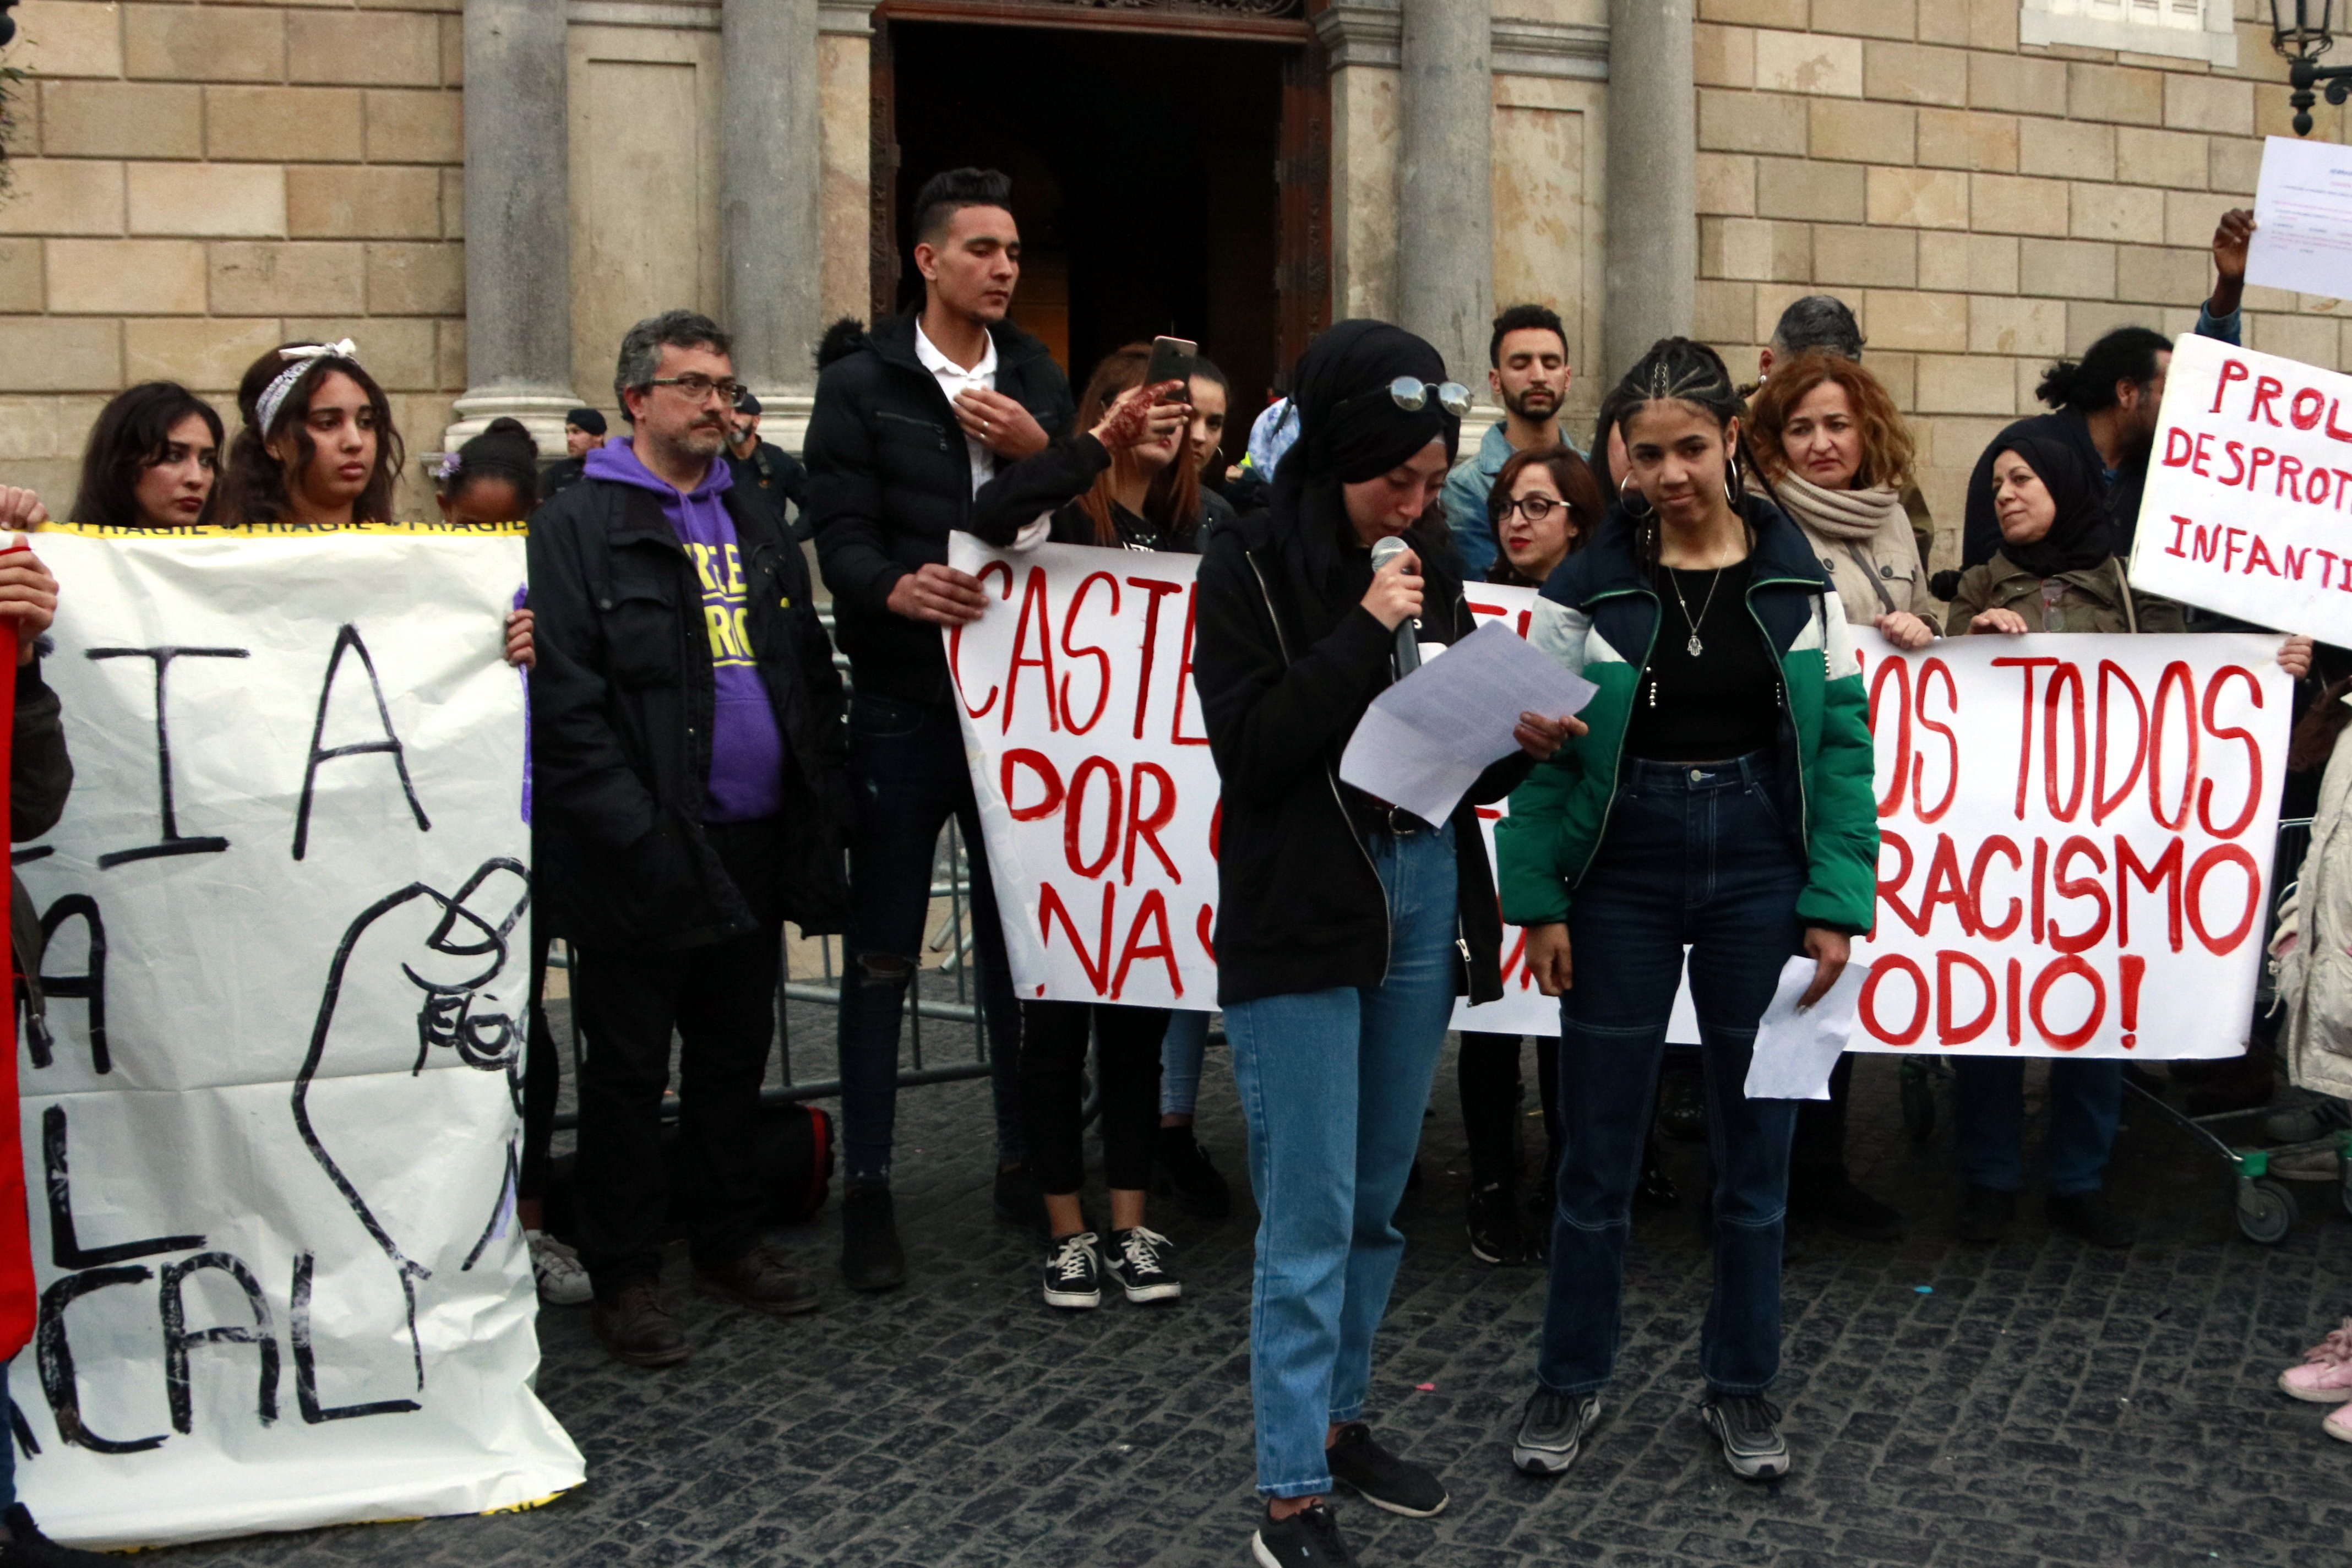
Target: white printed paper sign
[[2075, 840], [2248, 506], [274, 1142], [2076, 831]]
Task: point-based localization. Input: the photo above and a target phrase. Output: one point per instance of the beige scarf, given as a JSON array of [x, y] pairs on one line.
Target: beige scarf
[[1848, 515]]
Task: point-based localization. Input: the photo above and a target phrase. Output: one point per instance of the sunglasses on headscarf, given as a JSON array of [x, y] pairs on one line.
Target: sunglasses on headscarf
[[1412, 395]]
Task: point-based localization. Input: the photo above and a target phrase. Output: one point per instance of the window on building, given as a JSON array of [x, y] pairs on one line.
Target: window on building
[[2187, 29]]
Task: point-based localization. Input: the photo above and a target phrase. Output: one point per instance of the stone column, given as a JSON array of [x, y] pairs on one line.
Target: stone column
[[1652, 266], [770, 170], [518, 222], [1446, 253]]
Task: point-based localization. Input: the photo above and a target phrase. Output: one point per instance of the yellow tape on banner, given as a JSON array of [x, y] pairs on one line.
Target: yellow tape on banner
[[285, 530]]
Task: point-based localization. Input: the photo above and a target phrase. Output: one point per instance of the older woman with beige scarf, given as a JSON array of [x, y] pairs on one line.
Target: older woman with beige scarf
[[1832, 449], [1829, 446]]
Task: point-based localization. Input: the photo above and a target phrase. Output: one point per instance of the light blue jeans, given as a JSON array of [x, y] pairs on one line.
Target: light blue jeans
[[1180, 1050], [1333, 1084]]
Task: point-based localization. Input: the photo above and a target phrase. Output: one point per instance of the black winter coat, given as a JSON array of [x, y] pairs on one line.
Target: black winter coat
[[1299, 907], [890, 477], [621, 716], [1049, 486]]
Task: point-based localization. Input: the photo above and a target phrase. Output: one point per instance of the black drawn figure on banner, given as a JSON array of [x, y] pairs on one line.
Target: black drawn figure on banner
[[420, 978]]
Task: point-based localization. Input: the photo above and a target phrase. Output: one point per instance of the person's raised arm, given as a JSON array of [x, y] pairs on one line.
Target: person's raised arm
[[2218, 317]]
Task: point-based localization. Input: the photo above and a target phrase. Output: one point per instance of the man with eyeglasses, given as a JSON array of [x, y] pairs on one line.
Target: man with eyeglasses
[[687, 759], [1529, 351], [908, 426]]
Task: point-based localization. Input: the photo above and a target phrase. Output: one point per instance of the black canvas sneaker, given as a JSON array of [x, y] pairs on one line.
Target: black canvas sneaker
[[1380, 1478], [1552, 1432], [1074, 1272], [1307, 1539], [1139, 1261]]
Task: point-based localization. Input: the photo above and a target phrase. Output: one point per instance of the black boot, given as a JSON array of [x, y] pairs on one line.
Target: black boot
[[1183, 1169], [871, 1257]]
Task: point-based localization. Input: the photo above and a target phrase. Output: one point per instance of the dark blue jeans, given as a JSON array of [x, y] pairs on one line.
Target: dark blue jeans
[[1696, 856], [907, 775], [2086, 1103]]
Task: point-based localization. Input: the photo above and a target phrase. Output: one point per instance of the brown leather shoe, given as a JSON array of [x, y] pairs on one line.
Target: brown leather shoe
[[758, 1280], [637, 1328]]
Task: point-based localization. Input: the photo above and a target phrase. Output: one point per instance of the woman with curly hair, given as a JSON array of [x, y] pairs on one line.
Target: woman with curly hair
[[318, 444]]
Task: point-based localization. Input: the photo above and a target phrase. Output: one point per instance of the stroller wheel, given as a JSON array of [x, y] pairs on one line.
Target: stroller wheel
[[1918, 1102], [2265, 1212]]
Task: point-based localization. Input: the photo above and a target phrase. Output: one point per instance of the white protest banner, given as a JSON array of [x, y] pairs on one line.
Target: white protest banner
[[2248, 507], [275, 1137], [1098, 798], [2075, 840]]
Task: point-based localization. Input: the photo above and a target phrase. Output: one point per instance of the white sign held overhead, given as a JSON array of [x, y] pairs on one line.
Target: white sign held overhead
[[2303, 219], [274, 1144], [2248, 506]]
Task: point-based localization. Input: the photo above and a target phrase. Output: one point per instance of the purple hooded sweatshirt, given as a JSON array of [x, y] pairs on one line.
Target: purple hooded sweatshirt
[[746, 750]]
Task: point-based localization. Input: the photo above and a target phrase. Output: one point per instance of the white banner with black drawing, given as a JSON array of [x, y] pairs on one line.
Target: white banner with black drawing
[[273, 1138]]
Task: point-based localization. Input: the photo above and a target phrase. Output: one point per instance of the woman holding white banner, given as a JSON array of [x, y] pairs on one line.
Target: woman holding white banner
[[1345, 926], [1128, 481], [1721, 801], [1829, 448], [2055, 570]]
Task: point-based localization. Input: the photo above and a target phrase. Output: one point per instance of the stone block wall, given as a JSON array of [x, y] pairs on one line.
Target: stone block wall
[[1984, 206], [194, 182]]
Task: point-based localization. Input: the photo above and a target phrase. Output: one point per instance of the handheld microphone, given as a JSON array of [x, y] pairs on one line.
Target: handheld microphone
[[1408, 646]]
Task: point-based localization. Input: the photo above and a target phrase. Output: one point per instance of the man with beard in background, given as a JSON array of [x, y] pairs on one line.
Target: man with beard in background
[[1530, 374]]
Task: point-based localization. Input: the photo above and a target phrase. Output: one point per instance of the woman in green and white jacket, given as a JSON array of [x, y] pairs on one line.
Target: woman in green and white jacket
[[1721, 799]]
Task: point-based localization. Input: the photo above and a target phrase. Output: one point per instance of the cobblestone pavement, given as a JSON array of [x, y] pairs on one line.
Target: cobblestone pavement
[[2040, 1403]]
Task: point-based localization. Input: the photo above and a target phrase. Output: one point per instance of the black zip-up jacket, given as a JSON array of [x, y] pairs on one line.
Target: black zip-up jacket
[[1299, 907], [890, 477], [621, 716]]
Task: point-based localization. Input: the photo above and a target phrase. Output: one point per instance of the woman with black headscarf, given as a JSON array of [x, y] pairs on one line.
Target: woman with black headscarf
[[2055, 570], [1345, 926]]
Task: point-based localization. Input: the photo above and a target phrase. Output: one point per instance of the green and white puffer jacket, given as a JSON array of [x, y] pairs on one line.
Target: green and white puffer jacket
[[1599, 617]]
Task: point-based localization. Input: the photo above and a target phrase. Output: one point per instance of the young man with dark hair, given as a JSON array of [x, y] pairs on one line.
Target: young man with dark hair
[[687, 763], [909, 424], [1529, 375], [584, 432], [2104, 404]]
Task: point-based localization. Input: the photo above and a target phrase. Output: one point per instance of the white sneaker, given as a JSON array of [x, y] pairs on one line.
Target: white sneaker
[[562, 1281]]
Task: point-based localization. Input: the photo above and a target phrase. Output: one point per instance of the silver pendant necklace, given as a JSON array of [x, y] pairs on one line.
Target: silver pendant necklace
[[1673, 581]]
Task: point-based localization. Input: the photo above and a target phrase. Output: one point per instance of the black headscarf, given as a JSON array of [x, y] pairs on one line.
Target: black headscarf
[[1346, 436], [2083, 535]]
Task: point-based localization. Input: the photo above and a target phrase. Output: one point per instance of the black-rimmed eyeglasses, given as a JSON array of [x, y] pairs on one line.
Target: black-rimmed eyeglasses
[[1535, 508], [698, 388]]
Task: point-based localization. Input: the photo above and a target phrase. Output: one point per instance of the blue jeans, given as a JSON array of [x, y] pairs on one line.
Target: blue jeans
[[1696, 856], [1180, 1050], [2086, 1102], [907, 775], [1333, 1084]]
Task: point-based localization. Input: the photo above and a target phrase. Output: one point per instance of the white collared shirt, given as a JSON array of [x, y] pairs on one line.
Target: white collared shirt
[[954, 379]]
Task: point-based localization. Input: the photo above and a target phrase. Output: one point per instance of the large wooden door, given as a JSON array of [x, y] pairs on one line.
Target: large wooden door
[[883, 155], [1302, 274]]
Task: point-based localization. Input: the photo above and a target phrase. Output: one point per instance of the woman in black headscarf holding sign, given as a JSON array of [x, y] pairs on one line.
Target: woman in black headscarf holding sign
[[1345, 926], [2055, 570]]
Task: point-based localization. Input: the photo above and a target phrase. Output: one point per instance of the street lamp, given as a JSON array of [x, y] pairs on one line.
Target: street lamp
[[2300, 31]]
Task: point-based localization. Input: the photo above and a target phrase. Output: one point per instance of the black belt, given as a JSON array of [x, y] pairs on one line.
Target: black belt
[[1370, 816]]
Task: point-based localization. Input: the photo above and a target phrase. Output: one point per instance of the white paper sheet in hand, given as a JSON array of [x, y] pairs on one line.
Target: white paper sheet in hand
[[2303, 219], [1426, 740], [1795, 1051]]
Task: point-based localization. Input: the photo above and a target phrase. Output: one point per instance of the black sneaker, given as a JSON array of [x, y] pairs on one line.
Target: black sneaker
[[1380, 1478], [871, 1257], [2088, 1216], [1307, 1539], [1985, 1215], [1495, 1234], [1748, 1427], [1831, 1198], [1183, 1169], [26, 1547], [1019, 1199], [1074, 1272], [637, 1328], [1139, 1261], [1552, 1431]]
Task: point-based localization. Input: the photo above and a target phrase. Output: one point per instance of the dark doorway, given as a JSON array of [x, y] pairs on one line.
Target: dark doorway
[[1145, 182]]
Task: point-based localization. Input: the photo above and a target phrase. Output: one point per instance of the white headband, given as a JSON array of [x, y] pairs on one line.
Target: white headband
[[299, 358]]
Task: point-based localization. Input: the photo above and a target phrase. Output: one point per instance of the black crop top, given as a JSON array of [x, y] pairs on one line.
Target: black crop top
[[1720, 703]]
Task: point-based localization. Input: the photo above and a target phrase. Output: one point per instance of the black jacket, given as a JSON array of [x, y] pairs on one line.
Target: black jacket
[[40, 777], [777, 478], [560, 476], [1299, 907], [1049, 486], [890, 477], [1981, 529], [620, 715]]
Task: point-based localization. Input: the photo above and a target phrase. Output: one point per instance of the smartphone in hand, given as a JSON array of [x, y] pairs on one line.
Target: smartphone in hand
[[1172, 360]]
